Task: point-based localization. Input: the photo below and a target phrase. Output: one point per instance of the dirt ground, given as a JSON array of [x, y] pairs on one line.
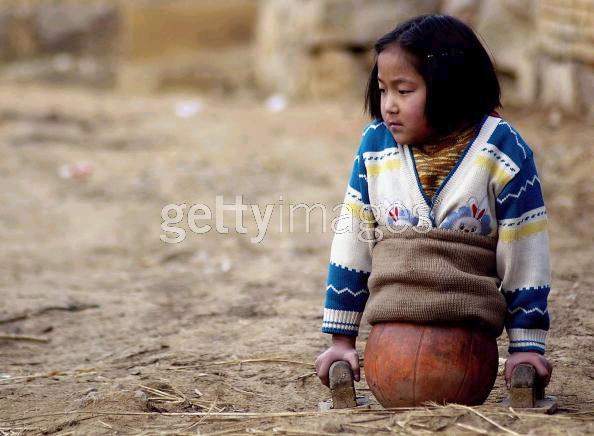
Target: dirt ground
[[134, 335]]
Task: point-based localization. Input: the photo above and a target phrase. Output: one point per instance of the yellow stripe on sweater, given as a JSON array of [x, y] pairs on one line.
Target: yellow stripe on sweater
[[514, 233], [497, 171], [377, 169], [359, 212]]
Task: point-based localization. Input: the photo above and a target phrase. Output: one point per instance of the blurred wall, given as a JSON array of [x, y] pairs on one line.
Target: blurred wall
[[321, 48], [544, 49], [131, 44]]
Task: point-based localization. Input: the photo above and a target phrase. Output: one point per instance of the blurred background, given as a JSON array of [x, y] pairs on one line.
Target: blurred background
[[300, 48], [111, 110]]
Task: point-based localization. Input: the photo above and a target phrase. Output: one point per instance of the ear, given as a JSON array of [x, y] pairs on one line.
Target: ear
[[474, 209], [480, 215]]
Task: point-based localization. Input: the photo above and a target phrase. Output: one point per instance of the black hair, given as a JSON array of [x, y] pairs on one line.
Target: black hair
[[462, 85]]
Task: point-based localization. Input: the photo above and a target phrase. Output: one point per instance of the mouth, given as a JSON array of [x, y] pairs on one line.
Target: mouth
[[393, 125]]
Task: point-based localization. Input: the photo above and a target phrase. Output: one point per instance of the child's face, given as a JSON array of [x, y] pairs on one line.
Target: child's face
[[403, 95]]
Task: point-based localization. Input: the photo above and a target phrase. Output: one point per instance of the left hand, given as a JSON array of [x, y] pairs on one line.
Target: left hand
[[543, 367]]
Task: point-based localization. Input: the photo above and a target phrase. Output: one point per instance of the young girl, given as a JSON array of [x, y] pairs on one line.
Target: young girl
[[437, 158]]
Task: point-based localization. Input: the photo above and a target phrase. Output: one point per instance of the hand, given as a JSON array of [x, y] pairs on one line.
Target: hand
[[543, 367], [343, 348]]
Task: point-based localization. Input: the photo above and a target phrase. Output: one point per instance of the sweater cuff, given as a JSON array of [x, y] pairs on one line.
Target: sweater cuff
[[527, 340], [342, 322]]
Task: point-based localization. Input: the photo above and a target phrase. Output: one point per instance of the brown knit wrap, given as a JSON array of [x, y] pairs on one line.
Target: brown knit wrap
[[435, 275]]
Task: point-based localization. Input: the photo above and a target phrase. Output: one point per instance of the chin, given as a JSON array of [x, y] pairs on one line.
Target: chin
[[400, 138]]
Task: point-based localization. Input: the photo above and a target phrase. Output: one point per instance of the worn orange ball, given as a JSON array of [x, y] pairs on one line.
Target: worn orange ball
[[408, 364]]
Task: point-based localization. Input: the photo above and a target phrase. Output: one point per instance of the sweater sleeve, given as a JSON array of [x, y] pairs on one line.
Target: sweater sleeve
[[350, 257], [523, 258]]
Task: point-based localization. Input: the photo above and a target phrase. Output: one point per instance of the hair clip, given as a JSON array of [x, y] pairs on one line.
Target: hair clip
[[445, 53]]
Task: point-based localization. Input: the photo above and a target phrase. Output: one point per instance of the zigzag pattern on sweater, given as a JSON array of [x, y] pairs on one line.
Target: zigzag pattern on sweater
[[534, 309], [371, 126], [522, 189], [345, 289], [504, 123]]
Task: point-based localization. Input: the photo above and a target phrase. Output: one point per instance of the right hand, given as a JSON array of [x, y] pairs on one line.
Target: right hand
[[343, 348]]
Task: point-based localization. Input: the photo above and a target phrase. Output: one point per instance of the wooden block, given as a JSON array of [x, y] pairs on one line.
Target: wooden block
[[523, 376], [342, 386], [523, 384], [527, 392], [521, 398]]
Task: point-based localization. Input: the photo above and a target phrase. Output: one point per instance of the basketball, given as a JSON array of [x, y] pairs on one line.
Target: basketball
[[408, 364]]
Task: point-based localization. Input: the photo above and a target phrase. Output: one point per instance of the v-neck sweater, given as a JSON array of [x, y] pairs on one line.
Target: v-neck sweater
[[492, 190], [434, 160]]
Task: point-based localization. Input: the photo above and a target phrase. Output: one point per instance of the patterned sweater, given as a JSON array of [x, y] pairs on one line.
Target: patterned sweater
[[493, 190]]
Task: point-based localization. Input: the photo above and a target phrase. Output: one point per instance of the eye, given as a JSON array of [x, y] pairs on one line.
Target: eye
[[382, 90], [404, 91], [461, 226]]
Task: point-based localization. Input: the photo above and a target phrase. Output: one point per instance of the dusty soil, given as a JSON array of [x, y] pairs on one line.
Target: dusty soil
[[119, 313]]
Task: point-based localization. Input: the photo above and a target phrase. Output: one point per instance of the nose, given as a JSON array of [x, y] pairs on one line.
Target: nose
[[390, 104]]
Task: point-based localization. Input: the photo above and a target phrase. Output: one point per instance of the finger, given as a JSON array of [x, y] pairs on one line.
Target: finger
[[550, 373], [541, 368], [353, 359], [509, 367], [323, 372]]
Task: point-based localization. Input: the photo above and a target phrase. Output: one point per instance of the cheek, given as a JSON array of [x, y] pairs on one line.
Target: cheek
[[416, 110], [382, 106]]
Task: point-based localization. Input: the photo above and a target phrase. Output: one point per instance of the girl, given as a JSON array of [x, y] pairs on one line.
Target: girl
[[437, 162]]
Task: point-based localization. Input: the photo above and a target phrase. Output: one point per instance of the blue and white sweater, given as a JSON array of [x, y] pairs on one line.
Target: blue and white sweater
[[493, 190]]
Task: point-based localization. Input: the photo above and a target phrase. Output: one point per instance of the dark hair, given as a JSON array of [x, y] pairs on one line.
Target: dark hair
[[462, 86]]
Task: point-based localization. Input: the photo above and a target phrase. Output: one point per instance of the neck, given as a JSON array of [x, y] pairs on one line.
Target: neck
[[438, 142]]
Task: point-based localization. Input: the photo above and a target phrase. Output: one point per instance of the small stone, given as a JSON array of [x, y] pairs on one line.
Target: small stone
[[141, 395]]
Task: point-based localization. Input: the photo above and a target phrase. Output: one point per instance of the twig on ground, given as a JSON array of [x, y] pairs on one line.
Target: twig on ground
[[261, 360], [208, 412], [104, 424], [304, 376], [241, 391], [368, 427], [370, 420], [75, 307], [24, 338], [226, 415], [296, 431], [76, 373], [239, 429], [514, 413], [489, 420], [471, 428], [163, 396]]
